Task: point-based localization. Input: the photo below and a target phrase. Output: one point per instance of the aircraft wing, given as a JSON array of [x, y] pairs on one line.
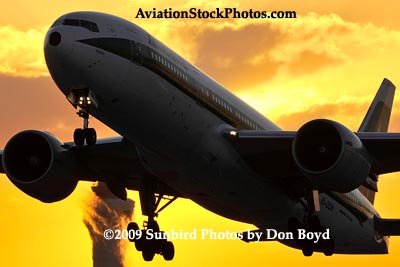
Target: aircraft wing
[[387, 227], [258, 147], [385, 149], [114, 161]]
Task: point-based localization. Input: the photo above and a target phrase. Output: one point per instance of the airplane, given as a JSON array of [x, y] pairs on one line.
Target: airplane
[[182, 135]]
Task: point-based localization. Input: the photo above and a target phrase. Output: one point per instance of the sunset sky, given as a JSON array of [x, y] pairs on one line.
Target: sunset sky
[[327, 63]]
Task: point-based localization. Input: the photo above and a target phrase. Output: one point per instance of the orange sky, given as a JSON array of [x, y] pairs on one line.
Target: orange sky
[[327, 63]]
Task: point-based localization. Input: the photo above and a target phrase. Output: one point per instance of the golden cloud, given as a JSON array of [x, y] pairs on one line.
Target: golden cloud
[[349, 113], [21, 52], [280, 67], [248, 54]]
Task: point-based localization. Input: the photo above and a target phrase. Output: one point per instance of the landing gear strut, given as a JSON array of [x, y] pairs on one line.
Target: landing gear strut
[[311, 223], [151, 240]]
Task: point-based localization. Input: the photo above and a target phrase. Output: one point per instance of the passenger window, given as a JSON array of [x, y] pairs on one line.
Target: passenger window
[[81, 23]]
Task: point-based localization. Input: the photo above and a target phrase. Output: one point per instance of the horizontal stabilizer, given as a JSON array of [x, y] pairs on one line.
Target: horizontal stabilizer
[[387, 227]]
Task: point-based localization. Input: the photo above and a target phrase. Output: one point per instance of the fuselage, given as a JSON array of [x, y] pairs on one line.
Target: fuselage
[[174, 114]]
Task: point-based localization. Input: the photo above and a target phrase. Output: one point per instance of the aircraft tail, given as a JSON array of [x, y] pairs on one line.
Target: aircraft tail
[[377, 120]]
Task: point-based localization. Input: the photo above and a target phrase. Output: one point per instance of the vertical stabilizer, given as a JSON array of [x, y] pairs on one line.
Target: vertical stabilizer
[[377, 120], [378, 115]]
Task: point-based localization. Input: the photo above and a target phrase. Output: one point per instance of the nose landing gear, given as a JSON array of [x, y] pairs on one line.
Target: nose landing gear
[[85, 133], [83, 99]]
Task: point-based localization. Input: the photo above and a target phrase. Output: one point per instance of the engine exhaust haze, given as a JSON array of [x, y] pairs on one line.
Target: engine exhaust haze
[[102, 210]]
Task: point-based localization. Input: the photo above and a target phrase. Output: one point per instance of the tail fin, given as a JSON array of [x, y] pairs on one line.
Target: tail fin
[[378, 115], [377, 120]]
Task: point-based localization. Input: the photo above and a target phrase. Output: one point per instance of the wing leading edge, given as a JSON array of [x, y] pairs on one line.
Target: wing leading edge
[[258, 147], [275, 147], [114, 161]]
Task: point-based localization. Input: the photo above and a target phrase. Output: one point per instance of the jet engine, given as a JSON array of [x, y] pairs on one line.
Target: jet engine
[[331, 156], [37, 164]]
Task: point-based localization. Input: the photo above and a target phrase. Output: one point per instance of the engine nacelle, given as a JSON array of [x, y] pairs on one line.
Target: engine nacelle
[[331, 156], [37, 164]]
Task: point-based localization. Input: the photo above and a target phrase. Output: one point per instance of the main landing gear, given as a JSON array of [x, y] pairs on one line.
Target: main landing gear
[[151, 240], [311, 223]]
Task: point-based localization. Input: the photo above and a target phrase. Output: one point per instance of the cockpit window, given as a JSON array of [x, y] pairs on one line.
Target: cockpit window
[[85, 24], [94, 27], [91, 26], [71, 22]]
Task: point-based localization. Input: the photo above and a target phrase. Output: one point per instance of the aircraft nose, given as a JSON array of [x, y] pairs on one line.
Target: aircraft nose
[[55, 38], [58, 44]]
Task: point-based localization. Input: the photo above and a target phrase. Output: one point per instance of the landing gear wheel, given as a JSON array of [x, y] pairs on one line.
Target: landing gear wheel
[[148, 254], [132, 227], [168, 251], [140, 243], [90, 136], [79, 137], [329, 247], [307, 250], [150, 200]]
